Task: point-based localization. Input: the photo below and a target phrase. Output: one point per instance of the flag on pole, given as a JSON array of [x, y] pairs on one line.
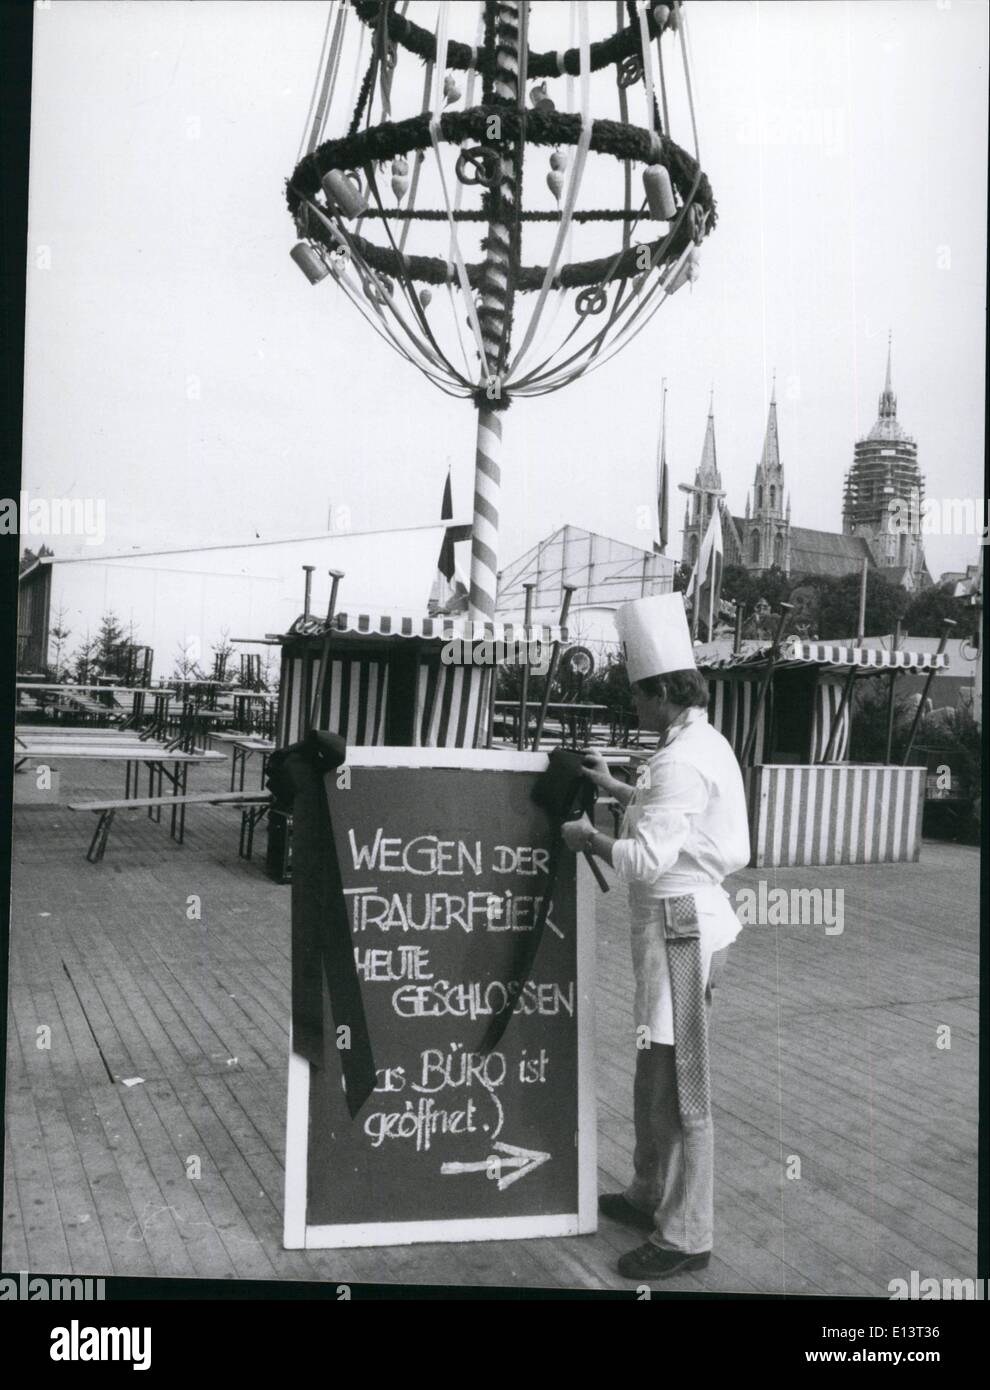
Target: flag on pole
[[706, 581], [449, 593]]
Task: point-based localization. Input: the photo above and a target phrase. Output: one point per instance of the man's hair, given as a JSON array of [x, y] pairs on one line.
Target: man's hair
[[687, 687]]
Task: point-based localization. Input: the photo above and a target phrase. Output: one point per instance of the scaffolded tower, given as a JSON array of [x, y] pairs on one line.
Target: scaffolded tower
[[884, 490]]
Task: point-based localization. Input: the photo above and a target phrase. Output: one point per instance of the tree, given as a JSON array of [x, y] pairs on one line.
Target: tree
[[84, 661], [108, 641], [682, 577], [739, 586], [222, 650], [839, 606], [185, 665], [59, 635], [926, 612]]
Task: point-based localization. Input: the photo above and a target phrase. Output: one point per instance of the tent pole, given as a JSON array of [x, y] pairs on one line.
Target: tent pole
[[947, 626]]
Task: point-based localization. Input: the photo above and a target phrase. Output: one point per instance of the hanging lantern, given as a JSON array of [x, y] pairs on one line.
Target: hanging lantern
[[451, 91], [558, 161], [344, 193], [309, 262], [555, 183], [688, 272], [426, 297], [661, 14], [674, 22], [659, 193], [400, 177]]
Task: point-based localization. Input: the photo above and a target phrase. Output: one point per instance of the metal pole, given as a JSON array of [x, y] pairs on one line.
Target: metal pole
[[309, 588], [524, 692], [861, 622], [785, 609], [737, 639], [551, 669], [891, 686], [335, 576], [947, 625]]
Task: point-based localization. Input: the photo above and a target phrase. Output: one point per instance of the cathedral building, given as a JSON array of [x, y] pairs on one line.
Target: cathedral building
[[885, 467]]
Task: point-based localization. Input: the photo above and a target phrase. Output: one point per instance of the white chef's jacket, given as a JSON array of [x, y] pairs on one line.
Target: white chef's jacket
[[685, 829]]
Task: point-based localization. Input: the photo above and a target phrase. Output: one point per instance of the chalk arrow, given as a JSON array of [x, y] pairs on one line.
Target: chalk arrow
[[520, 1161]]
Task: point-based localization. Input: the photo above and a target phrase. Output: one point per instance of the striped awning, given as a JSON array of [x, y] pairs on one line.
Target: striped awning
[[440, 629], [795, 652]]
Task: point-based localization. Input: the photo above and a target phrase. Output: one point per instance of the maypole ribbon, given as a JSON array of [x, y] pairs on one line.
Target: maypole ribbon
[[322, 948]]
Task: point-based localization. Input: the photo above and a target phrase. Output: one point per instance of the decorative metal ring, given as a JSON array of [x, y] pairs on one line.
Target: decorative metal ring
[[591, 301], [629, 71], [485, 163]]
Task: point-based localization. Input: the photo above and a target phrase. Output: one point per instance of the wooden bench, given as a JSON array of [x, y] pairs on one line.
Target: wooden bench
[[254, 806]]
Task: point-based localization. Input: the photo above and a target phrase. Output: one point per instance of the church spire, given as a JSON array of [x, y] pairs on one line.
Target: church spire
[[708, 467], [888, 401], [770, 458]]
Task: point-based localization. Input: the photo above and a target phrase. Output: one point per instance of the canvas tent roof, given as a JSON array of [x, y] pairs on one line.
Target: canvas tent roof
[[795, 652]]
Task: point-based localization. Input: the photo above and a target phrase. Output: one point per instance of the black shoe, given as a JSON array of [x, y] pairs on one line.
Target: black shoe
[[650, 1262], [617, 1207]]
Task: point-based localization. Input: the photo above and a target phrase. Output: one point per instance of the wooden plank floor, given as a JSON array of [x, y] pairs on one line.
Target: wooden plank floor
[[846, 1136]]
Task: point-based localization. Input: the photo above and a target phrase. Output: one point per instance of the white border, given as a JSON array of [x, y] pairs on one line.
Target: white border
[[296, 1234]]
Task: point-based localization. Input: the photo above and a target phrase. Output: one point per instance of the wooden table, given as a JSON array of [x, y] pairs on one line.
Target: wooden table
[[243, 747], [578, 717], [132, 752]]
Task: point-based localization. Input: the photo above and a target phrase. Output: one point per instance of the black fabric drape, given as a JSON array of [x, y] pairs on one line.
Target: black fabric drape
[[321, 936]]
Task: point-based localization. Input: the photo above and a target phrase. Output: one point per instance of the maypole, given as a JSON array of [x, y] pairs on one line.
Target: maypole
[[536, 322], [495, 307]]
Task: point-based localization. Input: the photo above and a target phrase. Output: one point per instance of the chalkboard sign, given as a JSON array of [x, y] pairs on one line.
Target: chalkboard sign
[[444, 862]]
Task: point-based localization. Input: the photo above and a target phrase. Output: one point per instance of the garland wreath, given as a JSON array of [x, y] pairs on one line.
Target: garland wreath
[[414, 39], [381, 143]]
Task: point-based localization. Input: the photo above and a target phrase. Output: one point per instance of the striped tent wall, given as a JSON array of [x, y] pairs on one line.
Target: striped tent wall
[[828, 700], [353, 702], [730, 710], [451, 701], [451, 705], [834, 815]]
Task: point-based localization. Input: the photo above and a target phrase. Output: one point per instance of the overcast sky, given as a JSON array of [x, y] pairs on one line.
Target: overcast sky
[[180, 366]]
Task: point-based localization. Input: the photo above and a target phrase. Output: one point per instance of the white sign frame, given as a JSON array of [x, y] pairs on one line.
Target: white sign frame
[[297, 1235]]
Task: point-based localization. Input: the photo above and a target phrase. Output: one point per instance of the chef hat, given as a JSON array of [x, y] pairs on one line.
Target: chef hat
[[655, 636]]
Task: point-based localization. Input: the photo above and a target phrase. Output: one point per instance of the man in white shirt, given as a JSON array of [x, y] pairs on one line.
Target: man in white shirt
[[685, 829]]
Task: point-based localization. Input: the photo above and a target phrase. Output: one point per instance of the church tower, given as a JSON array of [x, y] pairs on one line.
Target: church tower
[[766, 533], [885, 472], [701, 501]]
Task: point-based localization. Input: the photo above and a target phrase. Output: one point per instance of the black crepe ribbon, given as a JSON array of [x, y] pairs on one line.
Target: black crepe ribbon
[[322, 947], [563, 792]]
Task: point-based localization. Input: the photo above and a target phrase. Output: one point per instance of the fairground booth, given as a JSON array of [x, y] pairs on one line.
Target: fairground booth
[[394, 680], [788, 714]]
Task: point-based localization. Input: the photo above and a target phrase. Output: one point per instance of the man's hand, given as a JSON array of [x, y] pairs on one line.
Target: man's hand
[[595, 768], [577, 833]]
